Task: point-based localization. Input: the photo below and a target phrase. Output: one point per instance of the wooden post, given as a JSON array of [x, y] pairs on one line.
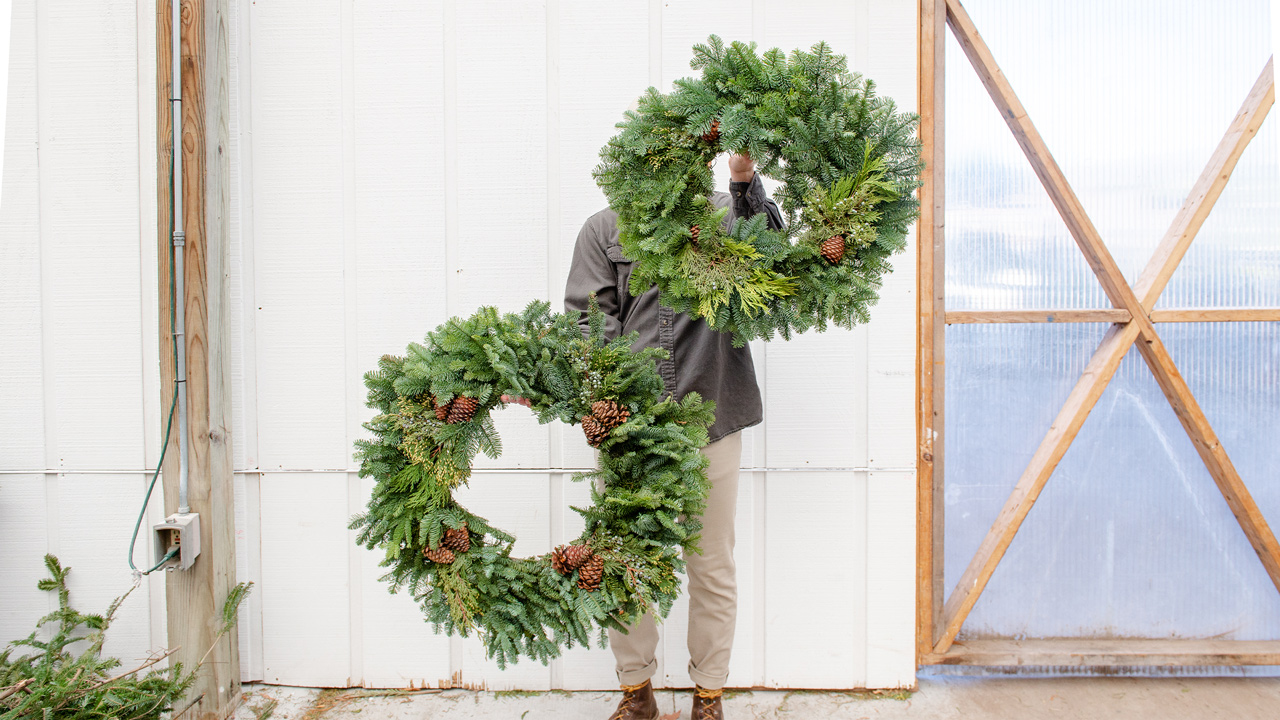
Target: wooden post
[[930, 328], [194, 597]]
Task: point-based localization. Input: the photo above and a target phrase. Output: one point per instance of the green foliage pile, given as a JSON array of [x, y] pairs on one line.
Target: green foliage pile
[[848, 162], [653, 476], [67, 677]]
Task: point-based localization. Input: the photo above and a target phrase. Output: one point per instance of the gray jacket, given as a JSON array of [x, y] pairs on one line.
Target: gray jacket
[[701, 360]]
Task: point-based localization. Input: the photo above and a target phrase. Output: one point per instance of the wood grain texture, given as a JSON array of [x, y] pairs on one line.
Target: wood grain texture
[[388, 144], [1102, 367], [1120, 652], [1066, 425], [1208, 187], [1102, 315], [194, 597], [930, 328], [1216, 315]]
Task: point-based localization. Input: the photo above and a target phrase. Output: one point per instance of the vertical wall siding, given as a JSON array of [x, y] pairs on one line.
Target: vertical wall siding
[[403, 162], [78, 372], [394, 164]]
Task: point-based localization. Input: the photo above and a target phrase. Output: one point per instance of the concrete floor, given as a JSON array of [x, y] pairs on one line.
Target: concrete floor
[[944, 698]]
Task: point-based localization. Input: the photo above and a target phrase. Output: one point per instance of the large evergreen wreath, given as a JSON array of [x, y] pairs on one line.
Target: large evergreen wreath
[[848, 162], [434, 415]]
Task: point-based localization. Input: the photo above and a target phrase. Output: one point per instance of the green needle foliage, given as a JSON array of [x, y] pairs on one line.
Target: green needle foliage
[[67, 677], [848, 162], [653, 476]]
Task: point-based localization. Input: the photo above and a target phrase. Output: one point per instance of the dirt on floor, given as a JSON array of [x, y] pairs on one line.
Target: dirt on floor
[[943, 698]]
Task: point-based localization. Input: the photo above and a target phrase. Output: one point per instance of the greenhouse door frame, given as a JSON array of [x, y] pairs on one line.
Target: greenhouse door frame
[[1133, 319]]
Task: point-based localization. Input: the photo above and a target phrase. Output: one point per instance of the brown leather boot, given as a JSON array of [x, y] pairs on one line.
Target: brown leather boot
[[706, 704], [638, 703]]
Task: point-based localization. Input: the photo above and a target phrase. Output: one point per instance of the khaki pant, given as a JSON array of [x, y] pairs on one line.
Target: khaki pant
[[713, 587]]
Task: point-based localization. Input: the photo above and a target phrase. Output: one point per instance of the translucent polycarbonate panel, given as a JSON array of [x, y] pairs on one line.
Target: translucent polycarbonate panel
[[1233, 261], [1130, 537], [1131, 98]]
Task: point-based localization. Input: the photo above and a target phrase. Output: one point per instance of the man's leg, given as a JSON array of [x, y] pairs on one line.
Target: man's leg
[[713, 586], [713, 589], [636, 651]]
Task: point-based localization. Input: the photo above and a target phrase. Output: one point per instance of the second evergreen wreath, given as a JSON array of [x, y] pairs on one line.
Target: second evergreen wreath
[[848, 162]]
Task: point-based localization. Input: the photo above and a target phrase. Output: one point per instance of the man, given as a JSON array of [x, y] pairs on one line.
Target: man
[[704, 361]]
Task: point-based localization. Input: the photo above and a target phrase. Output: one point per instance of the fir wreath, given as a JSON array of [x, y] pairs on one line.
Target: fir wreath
[[847, 160], [434, 409]]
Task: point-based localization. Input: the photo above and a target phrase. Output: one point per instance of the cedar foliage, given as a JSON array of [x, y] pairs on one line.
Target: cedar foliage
[[848, 162], [653, 477]]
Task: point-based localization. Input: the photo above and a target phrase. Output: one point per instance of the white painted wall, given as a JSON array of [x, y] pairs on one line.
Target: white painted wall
[[79, 364], [395, 163]]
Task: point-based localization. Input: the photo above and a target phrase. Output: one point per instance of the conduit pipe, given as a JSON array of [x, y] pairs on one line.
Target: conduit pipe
[[179, 245]]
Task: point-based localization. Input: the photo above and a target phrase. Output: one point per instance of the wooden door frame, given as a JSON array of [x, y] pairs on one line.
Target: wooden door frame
[[1132, 317]]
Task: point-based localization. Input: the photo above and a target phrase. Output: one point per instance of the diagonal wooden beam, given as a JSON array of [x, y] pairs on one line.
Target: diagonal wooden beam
[[1204, 194], [1115, 344], [1046, 168]]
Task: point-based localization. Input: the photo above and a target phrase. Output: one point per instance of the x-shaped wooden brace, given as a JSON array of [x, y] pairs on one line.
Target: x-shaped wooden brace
[[1138, 301]]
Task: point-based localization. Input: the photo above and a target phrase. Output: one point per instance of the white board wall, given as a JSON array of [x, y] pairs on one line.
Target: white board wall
[[402, 162], [396, 163], [79, 367]]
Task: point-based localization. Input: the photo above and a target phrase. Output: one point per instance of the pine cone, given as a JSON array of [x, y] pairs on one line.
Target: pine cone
[[577, 555], [693, 234], [595, 431], [833, 248], [463, 409], [442, 555], [609, 413], [590, 574], [560, 560], [456, 539], [713, 134], [442, 411]]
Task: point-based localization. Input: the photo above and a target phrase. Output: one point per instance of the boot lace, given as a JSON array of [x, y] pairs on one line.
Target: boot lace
[[629, 693], [707, 710]]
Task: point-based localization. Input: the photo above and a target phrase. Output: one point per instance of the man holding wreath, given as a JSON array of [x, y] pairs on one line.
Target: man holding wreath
[[700, 360]]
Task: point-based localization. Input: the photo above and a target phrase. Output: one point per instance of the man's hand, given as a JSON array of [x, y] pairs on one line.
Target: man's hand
[[741, 168]]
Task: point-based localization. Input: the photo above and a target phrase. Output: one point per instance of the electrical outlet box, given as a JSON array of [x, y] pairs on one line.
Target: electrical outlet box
[[180, 530]]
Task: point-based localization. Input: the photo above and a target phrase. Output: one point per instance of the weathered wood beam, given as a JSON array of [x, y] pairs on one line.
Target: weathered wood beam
[[1216, 315], [1111, 315], [1104, 362], [194, 597], [1042, 162], [1208, 187], [1084, 652], [1097, 374], [1101, 315], [931, 326]]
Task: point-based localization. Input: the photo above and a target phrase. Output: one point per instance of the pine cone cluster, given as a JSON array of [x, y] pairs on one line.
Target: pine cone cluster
[[442, 555], [589, 575], [567, 558], [605, 416], [713, 134], [459, 409], [456, 539], [833, 248]]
